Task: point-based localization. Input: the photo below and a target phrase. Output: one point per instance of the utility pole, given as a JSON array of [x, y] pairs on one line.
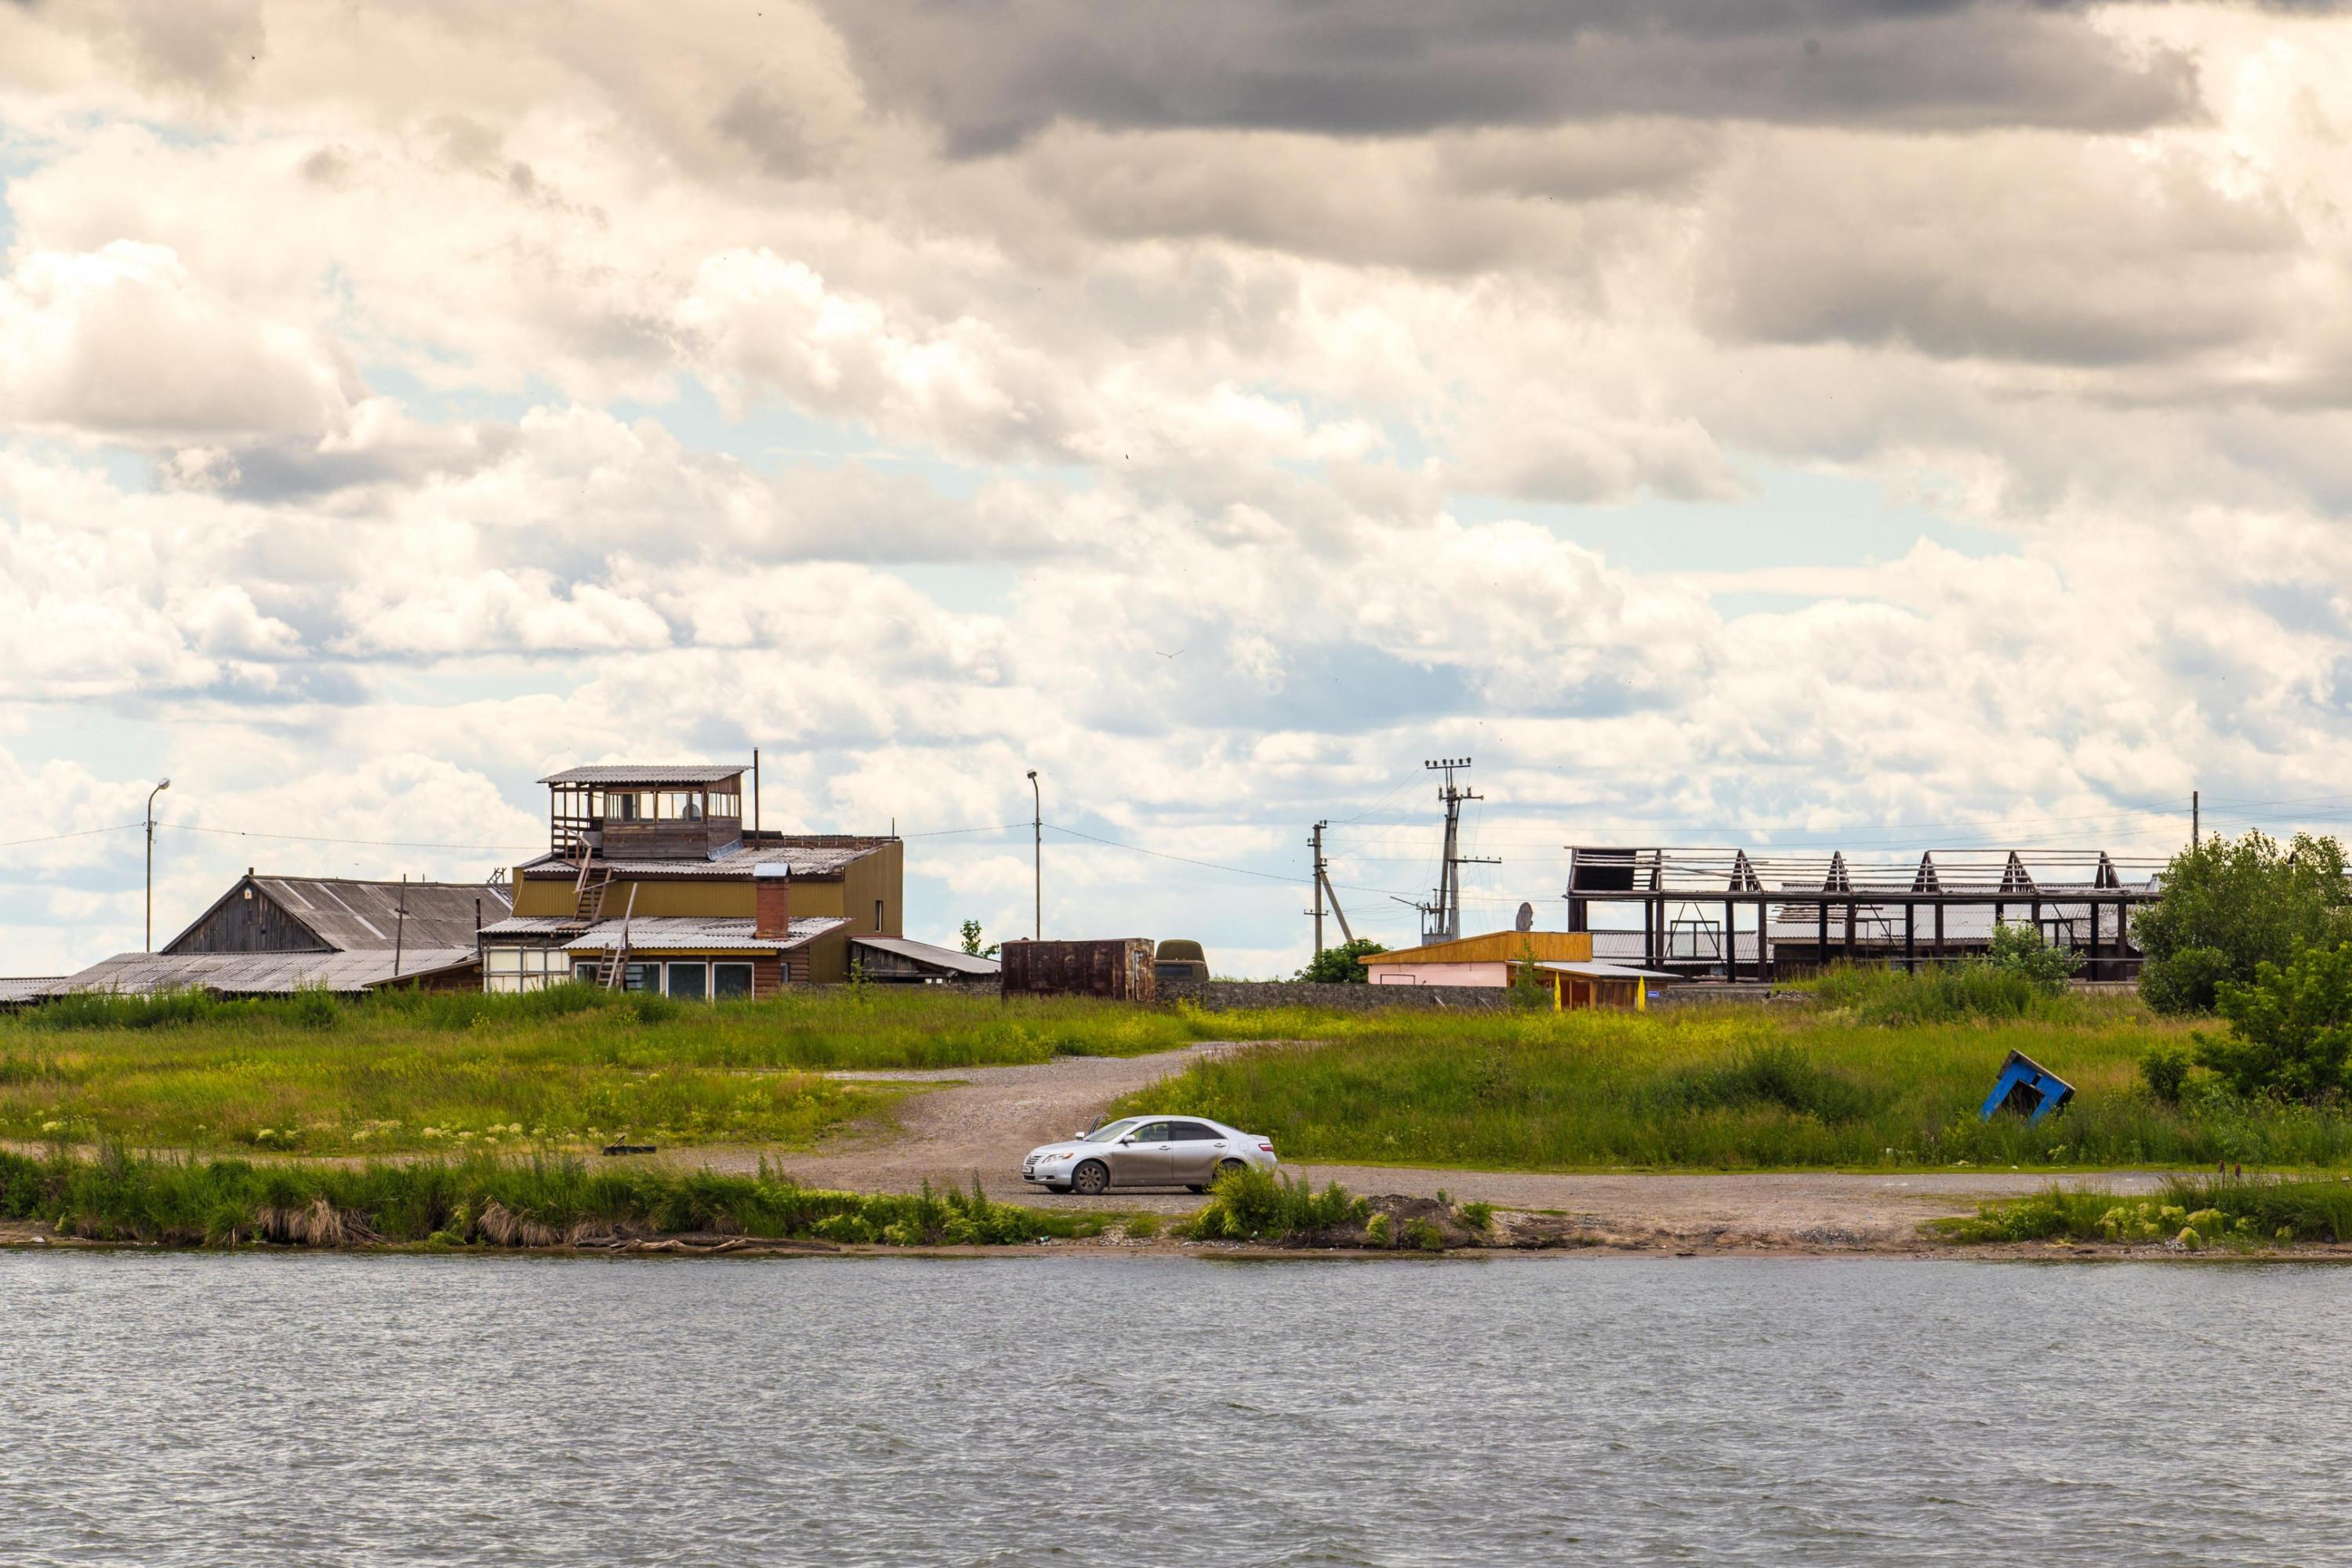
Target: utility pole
[[1037, 849], [1317, 842], [152, 793], [1444, 923], [1324, 889], [2195, 826]]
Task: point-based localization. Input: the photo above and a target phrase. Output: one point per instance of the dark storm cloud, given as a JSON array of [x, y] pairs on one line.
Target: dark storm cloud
[[991, 72]]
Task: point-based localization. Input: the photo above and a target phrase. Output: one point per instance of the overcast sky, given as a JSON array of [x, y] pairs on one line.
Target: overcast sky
[[1876, 422]]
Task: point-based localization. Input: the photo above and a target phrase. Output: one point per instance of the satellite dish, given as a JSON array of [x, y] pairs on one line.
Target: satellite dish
[[1526, 920]]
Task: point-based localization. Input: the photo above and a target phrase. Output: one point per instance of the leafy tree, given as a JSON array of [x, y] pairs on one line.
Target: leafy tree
[[972, 941], [2019, 950], [2290, 1030], [1338, 965], [2229, 907]]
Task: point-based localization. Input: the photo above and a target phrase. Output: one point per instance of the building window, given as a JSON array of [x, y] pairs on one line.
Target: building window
[[584, 970], [689, 982], [726, 802], [641, 977], [878, 926], [730, 982], [512, 969]]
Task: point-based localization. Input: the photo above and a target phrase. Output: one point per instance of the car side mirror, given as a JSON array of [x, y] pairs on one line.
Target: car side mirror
[[1129, 1139]]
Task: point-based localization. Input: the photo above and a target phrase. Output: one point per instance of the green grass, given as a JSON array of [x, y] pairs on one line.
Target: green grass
[[199, 1202], [2252, 1212], [1736, 1088], [573, 1066]]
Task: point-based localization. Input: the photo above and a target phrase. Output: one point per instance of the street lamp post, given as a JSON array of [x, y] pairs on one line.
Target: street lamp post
[[1037, 849], [152, 793]]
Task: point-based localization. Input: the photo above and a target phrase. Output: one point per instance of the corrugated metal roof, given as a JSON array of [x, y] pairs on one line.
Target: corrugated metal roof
[[924, 952], [532, 925], [649, 773], [260, 974], [359, 916], [666, 933], [811, 856], [1609, 972]]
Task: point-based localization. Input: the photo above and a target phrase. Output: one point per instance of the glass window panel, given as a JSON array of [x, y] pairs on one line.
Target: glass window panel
[[641, 977], [584, 970], [689, 982], [730, 982]]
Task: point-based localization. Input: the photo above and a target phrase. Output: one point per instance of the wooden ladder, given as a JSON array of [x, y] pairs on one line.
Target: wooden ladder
[[618, 965]]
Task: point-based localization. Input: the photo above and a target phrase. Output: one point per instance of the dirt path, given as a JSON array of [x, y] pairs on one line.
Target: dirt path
[[982, 1120]]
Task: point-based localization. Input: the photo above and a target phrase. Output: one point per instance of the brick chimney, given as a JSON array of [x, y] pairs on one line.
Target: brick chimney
[[771, 902]]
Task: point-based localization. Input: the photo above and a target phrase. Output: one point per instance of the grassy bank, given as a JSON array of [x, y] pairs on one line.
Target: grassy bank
[[2194, 1214], [480, 1200], [573, 1066], [1869, 1080]]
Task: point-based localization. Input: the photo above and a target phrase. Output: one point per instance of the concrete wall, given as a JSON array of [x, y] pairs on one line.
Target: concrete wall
[[1228, 996]]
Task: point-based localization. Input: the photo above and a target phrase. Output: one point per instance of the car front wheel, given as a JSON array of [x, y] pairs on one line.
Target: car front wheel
[[1090, 1179]]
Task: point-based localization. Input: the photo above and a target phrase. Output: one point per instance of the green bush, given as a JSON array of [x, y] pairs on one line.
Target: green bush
[[2290, 1029], [2186, 981], [125, 1197], [1339, 965], [2227, 907], [2164, 1069], [2019, 949], [1944, 994], [1251, 1204], [2242, 1212]]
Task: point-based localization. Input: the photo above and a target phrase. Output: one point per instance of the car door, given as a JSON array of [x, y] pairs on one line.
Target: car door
[[1142, 1158], [1198, 1147]]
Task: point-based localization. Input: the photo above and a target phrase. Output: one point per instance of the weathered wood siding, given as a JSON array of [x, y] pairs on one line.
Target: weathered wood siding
[[1117, 967], [243, 924]]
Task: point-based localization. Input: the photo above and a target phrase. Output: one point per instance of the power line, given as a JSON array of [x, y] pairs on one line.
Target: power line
[[948, 832], [319, 838], [1210, 865], [82, 833]]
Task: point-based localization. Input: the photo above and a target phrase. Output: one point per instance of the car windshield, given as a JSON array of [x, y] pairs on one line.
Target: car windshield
[[1111, 1130]]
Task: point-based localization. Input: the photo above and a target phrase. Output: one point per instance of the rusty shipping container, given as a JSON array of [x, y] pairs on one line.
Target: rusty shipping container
[[1117, 967]]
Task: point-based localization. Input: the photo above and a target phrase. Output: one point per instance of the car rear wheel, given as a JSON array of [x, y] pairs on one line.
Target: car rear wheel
[[1090, 1178], [1227, 1167]]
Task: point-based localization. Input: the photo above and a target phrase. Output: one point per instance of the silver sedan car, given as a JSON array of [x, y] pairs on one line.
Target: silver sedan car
[[1146, 1151]]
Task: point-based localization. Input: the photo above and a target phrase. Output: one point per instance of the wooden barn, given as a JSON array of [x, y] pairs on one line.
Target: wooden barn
[[274, 935]]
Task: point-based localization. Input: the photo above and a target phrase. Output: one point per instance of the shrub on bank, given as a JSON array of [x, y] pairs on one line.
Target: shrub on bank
[[1251, 1204], [2232, 1211], [126, 1197]]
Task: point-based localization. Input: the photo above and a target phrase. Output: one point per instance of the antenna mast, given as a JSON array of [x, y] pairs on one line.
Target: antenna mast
[[1441, 921]]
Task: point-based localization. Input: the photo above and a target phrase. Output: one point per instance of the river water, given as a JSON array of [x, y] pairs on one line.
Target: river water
[[183, 1409]]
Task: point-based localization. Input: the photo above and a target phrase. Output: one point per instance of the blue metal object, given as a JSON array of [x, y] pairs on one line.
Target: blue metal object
[[2027, 1088]]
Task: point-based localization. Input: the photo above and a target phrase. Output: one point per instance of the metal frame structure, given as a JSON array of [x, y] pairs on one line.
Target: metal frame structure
[[1812, 887]]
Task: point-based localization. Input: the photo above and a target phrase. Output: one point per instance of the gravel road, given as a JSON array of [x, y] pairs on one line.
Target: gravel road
[[984, 1119]]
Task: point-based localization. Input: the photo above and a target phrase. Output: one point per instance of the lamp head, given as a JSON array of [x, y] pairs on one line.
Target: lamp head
[[166, 785], [1033, 772]]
